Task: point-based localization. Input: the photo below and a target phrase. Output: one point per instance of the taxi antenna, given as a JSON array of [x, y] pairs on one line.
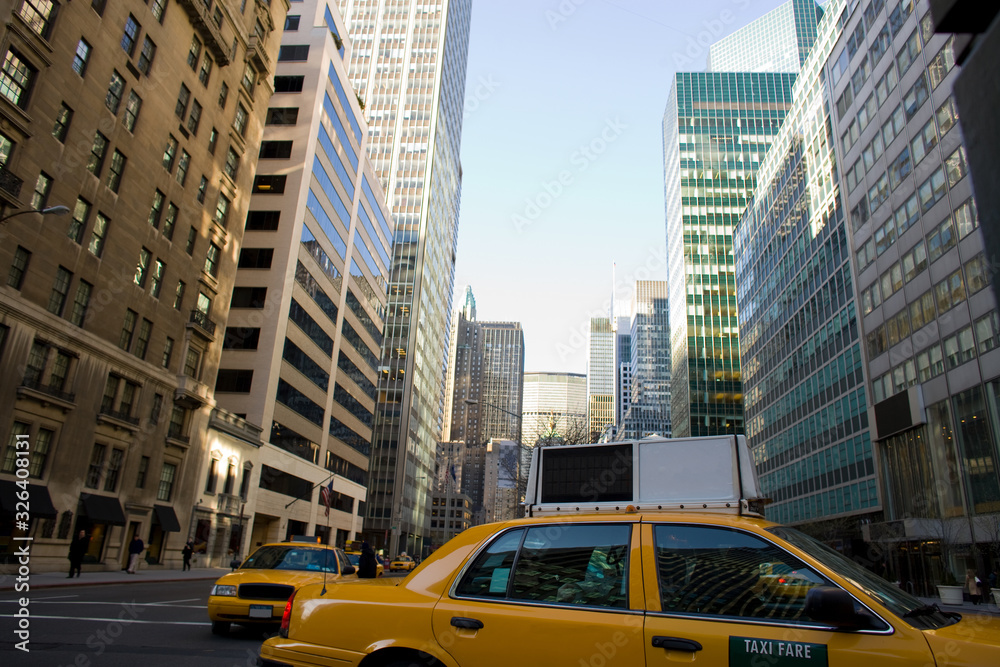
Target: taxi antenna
[[326, 557]]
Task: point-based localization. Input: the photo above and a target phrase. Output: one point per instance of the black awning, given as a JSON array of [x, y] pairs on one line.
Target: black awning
[[167, 518], [103, 509], [39, 500]]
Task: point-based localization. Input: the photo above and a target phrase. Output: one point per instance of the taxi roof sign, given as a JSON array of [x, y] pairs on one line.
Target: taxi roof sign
[[706, 473]]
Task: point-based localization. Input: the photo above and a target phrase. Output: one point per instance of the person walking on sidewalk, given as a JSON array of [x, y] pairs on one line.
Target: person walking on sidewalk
[[186, 553], [134, 550], [77, 549], [367, 565]]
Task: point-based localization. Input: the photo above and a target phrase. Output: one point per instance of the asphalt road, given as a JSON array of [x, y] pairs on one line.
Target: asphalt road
[[131, 624]]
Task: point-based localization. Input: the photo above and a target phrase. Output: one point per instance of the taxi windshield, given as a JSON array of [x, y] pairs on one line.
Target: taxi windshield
[[892, 597], [282, 557]]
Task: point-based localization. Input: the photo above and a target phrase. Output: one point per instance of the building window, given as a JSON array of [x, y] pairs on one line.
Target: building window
[[142, 341], [179, 295], [249, 78], [116, 89], [293, 53], [202, 187], [269, 184], [232, 163], [194, 52], [159, 268], [170, 222], [156, 210], [16, 79], [276, 150], [128, 329], [213, 476], [98, 235], [206, 69], [81, 57], [98, 6], [81, 303], [38, 14], [213, 139], [195, 118], [192, 235], [132, 108], [60, 288], [166, 488], [169, 153], [223, 95], [240, 120], [222, 210], [266, 221], [234, 381], [37, 357], [94, 471], [140, 478], [130, 35], [256, 258], [183, 97], [146, 55], [292, 23], [42, 188], [158, 8], [142, 267], [80, 214], [288, 84], [248, 297], [182, 167], [282, 116], [212, 260], [192, 362], [168, 352], [18, 268], [114, 467], [118, 160], [63, 119], [97, 152]]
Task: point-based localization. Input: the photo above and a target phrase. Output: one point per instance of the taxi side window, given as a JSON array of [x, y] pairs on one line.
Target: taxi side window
[[490, 574], [718, 571], [579, 565], [342, 562]]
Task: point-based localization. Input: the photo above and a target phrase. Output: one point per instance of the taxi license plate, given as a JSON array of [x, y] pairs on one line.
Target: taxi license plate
[[260, 611]]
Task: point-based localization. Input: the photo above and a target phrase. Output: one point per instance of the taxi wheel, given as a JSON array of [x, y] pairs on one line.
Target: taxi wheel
[[220, 628]]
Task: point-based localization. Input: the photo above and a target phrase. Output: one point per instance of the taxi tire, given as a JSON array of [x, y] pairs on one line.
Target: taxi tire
[[220, 628]]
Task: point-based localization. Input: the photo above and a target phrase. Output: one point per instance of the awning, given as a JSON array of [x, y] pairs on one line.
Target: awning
[[167, 518], [39, 500], [103, 509]]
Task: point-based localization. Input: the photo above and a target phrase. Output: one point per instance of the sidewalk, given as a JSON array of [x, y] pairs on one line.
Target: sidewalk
[[966, 607], [145, 575]]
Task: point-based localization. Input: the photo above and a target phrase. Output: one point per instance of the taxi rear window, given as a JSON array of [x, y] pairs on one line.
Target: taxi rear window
[[281, 557]]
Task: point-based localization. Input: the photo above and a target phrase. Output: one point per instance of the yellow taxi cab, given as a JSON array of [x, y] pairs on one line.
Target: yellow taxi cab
[[256, 593], [402, 563], [628, 557]]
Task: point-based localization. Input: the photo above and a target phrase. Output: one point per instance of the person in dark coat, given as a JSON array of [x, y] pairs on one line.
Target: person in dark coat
[[367, 566], [186, 552], [135, 550], [77, 550]]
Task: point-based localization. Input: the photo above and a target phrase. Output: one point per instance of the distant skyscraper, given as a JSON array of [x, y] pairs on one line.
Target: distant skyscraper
[[649, 405], [717, 128], [555, 408], [408, 66], [779, 41], [600, 376], [302, 347], [623, 366]]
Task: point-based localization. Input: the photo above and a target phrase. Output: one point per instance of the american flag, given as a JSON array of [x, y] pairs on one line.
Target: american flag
[[326, 496]]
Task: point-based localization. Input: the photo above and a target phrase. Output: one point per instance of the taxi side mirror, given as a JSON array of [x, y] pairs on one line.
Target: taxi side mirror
[[834, 606], [350, 569]]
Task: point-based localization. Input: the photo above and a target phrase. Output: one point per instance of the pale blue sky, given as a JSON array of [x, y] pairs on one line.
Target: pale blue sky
[[562, 156]]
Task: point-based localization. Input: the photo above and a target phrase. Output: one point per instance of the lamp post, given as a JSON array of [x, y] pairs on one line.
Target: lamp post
[[50, 210]]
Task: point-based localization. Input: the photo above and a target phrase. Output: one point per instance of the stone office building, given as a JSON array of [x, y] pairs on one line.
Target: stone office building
[[143, 119]]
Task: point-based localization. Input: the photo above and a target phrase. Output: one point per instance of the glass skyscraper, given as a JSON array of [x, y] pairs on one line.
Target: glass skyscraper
[[408, 66], [779, 41], [600, 376], [649, 404], [717, 127]]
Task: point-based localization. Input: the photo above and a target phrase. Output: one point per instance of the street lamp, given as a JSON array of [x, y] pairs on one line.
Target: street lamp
[[51, 210]]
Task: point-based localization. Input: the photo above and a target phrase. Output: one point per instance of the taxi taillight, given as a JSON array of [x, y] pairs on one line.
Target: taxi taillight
[[287, 616]]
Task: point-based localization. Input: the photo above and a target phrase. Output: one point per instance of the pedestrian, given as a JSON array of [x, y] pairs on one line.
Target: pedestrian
[[972, 584], [77, 549], [134, 551], [367, 565], [186, 552]]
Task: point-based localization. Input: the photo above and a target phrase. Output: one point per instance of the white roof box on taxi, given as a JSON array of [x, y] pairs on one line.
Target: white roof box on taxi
[[700, 474]]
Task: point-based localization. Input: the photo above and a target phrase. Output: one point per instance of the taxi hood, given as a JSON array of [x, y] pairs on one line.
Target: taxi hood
[[975, 640]]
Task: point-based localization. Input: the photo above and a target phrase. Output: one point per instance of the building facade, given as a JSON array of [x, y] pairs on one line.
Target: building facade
[[649, 405], [408, 67], [303, 342], [554, 408], [111, 318], [779, 41], [623, 366], [600, 376]]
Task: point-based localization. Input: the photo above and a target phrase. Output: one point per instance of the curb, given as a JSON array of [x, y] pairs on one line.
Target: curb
[[34, 584]]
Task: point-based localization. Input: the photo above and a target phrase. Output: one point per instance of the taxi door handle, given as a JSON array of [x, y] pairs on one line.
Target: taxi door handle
[[676, 644], [467, 623]]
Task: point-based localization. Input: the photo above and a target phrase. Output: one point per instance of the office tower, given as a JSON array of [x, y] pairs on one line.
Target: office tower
[[501, 493], [303, 343], [717, 128], [111, 317], [600, 376], [408, 67], [779, 41], [649, 406], [806, 409], [928, 320], [623, 366], [465, 311], [555, 409]]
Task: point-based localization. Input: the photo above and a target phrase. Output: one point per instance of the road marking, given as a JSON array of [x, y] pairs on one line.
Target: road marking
[[54, 597], [120, 603], [110, 620], [173, 601]]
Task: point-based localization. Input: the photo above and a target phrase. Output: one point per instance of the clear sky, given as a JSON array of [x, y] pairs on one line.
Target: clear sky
[[562, 156]]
